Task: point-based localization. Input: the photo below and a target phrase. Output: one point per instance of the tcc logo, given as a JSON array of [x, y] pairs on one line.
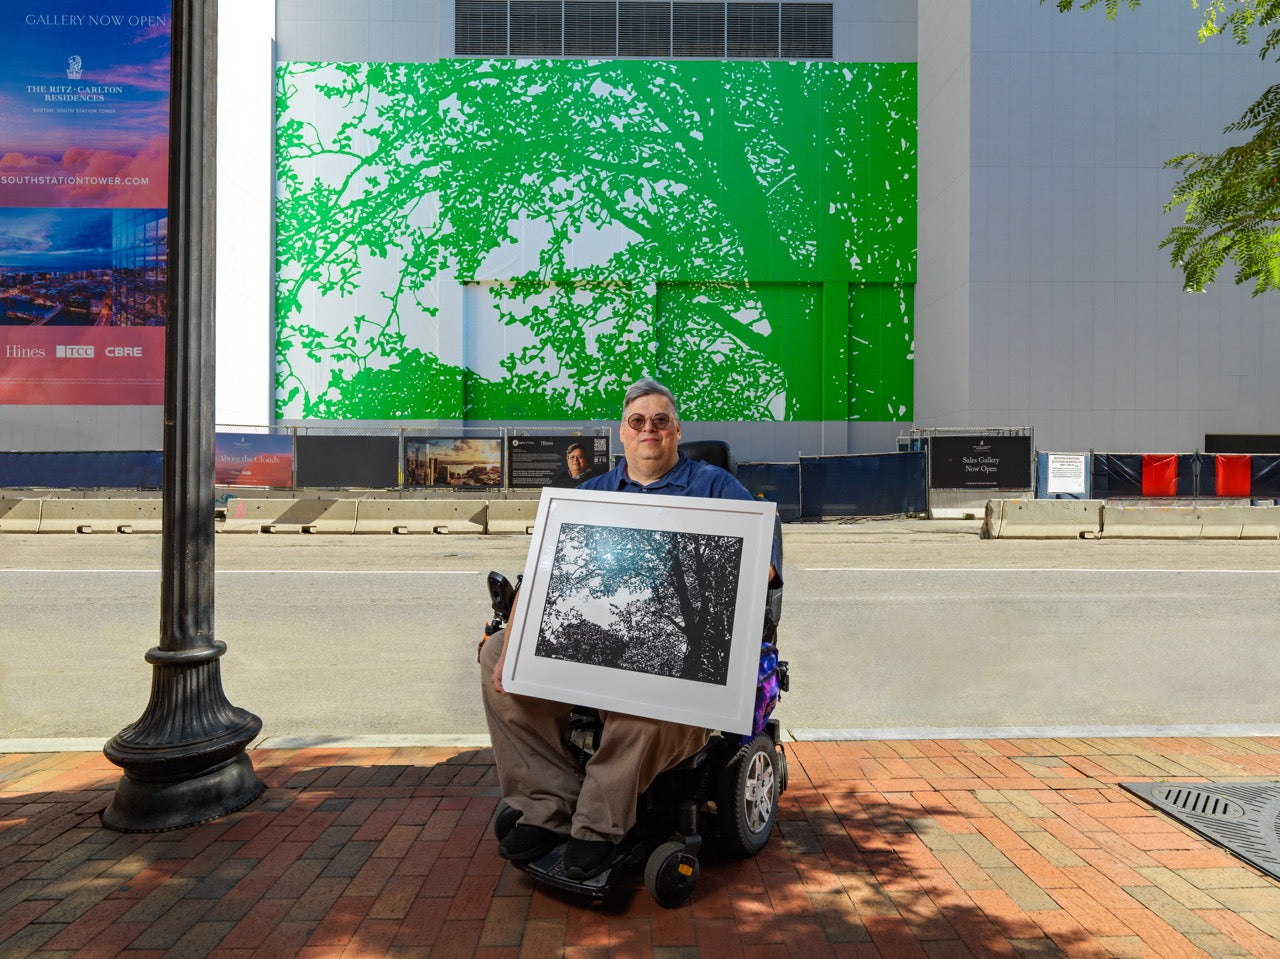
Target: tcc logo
[[76, 351]]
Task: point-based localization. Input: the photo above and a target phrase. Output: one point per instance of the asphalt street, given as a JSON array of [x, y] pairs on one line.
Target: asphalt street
[[904, 627]]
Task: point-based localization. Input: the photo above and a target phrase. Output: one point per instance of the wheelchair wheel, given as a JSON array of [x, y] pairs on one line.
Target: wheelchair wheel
[[747, 798], [504, 820], [670, 875]]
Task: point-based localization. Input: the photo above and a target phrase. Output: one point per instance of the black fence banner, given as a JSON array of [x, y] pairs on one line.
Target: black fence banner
[[1117, 474], [368, 462], [776, 482], [124, 469], [875, 484], [980, 462], [1266, 476]]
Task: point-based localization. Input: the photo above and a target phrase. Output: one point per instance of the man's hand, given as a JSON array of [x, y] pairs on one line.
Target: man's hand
[[502, 656], [497, 670]]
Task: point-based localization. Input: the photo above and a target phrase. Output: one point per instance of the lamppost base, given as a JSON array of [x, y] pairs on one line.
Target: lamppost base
[[184, 760], [142, 805]]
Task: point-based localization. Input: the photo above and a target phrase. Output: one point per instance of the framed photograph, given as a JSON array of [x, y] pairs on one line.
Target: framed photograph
[[644, 604]]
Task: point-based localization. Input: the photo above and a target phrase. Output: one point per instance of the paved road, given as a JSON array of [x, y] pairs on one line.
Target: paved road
[[891, 627]]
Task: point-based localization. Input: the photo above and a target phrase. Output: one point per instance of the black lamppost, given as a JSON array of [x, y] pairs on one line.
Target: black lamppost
[[184, 760]]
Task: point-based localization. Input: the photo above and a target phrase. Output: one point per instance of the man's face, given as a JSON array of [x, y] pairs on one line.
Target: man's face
[[577, 461], [650, 451]]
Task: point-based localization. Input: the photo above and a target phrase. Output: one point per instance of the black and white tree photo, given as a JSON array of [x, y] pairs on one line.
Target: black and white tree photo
[[648, 601]]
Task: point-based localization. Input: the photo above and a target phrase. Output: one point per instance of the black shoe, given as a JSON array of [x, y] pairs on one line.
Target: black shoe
[[584, 858], [526, 843]]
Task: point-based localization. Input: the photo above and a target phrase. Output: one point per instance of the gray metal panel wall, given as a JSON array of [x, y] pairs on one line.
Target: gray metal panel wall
[[1077, 324]]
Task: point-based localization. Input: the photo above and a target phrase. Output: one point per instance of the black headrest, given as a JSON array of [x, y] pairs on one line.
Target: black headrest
[[715, 452]]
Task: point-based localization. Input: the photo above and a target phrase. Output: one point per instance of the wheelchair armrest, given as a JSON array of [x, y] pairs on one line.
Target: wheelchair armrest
[[773, 605]]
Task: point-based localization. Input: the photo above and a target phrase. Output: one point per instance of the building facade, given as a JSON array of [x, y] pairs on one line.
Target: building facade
[[1038, 295]]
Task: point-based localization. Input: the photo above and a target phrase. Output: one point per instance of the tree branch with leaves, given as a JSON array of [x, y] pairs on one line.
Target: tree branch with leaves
[[1231, 199]]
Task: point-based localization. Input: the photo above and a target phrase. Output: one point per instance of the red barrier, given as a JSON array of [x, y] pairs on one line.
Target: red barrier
[[1234, 476], [1159, 475]]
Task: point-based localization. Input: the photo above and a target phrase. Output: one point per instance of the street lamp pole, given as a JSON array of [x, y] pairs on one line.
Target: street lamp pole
[[184, 760]]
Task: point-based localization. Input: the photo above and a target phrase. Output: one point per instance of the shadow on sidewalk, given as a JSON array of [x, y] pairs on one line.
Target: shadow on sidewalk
[[395, 851]]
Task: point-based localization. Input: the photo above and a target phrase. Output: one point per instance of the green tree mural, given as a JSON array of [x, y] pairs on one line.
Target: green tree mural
[[514, 239]]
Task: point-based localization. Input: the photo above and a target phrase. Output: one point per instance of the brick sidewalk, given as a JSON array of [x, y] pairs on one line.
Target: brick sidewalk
[[1016, 848]]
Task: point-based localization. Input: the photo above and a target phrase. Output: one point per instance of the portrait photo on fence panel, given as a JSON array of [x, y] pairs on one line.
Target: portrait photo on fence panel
[[644, 604]]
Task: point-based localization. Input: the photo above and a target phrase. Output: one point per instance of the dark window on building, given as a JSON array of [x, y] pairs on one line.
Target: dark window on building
[[654, 29], [590, 28], [697, 30], [644, 28], [806, 31], [753, 30], [481, 28], [535, 28]]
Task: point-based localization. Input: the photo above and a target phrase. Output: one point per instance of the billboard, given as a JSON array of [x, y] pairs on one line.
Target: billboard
[[83, 201], [452, 461], [562, 461], [253, 459], [368, 462], [980, 462], [521, 239]]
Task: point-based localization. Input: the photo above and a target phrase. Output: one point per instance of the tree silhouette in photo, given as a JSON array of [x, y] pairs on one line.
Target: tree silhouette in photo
[[648, 601]]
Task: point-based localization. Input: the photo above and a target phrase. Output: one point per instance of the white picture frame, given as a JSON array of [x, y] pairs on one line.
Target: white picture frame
[[613, 586]]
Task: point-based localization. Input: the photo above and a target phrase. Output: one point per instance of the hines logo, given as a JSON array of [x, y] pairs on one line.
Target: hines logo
[[73, 351]]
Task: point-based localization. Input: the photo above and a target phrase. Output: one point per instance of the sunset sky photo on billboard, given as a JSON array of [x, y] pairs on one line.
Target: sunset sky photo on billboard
[[54, 240], [86, 103], [452, 461]]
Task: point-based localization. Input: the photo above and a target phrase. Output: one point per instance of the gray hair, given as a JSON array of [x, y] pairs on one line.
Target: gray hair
[[648, 387]]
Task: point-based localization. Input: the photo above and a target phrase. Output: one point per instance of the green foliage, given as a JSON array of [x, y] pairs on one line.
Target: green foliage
[[1230, 200], [498, 234]]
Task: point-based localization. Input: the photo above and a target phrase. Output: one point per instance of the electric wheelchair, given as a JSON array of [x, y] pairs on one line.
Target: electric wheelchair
[[729, 789]]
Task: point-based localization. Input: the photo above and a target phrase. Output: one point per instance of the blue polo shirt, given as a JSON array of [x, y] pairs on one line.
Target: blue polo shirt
[[687, 478]]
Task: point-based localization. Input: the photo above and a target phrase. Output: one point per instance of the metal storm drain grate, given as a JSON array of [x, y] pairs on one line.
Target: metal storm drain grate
[[1243, 818]]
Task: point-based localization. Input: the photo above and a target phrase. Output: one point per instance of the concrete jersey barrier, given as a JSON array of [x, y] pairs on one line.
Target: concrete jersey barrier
[[1003, 519], [313, 516], [1190, 522], [512, 515], [1042, 519], [421, 516], [245, 515], [20, 515], [100, 516]]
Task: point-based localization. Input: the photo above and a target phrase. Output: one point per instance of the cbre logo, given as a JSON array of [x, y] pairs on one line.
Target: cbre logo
[[76, 351]]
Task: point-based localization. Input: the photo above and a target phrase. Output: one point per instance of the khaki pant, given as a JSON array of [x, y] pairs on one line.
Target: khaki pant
[[540, 778]]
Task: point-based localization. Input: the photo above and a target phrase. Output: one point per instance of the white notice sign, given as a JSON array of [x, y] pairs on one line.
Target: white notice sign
[[1066, 474]]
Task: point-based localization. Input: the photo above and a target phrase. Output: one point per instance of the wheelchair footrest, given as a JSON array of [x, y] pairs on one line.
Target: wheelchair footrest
[[549, 869]]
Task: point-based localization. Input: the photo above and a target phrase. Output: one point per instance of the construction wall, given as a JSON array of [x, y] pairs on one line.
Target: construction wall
[[494, 240], [1045, 300]]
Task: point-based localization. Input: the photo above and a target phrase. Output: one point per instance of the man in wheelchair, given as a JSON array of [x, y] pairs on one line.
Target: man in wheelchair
[[591, 808]]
